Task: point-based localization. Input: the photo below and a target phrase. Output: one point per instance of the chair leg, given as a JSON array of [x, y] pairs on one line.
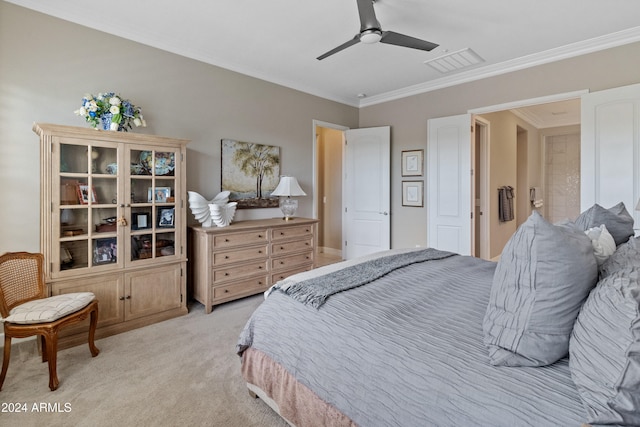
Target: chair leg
[[5, 359], [92, 331], [52, 356], [43, 343]]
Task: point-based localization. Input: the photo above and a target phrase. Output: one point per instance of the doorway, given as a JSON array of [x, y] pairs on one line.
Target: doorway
[[328, 185]]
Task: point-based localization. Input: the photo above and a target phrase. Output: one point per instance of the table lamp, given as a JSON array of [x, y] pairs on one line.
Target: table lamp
[[287, 187]]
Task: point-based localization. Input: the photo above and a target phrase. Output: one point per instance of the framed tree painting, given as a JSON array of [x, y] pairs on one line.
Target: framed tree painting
[[250, 172]]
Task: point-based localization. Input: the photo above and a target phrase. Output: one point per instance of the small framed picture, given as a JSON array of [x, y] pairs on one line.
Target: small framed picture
[[159, 194], [166, 217], [85, 193], [140, 221], [412, 193], [105, 251], [412, 162]]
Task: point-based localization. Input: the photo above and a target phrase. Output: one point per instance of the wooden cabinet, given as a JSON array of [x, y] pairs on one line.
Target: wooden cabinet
[[113, 222], [247, 257]]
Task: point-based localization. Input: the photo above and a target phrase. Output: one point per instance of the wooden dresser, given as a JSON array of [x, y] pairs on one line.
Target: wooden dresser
[[247, 257]]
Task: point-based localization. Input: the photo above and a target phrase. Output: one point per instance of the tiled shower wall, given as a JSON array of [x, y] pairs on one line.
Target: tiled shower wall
[[562, 177]]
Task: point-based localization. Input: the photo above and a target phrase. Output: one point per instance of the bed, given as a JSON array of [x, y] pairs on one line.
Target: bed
[[407, 347]]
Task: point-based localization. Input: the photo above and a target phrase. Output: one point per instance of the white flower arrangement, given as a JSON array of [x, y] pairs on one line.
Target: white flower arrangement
[[109, 111]]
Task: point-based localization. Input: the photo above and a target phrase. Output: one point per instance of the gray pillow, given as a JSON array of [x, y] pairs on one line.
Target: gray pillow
[[616, 219], [543, 277], [626, 255], [604, 350]]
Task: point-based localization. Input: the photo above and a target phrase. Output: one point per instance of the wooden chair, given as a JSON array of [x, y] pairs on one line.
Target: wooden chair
[[27, 311]]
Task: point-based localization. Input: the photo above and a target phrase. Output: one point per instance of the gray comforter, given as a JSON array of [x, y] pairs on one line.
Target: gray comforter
[[407, 350]]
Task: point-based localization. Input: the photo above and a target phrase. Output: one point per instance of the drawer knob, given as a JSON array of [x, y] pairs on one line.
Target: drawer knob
[[259, 252], [282, 248], [259, 282], [226, 274], [260, 236], [121, 298], [226, 257], [226, 291], [281, 262], [226, 240], [259, 267]]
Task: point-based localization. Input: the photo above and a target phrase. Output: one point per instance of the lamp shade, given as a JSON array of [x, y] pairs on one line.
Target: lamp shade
[[288, 186], [638, 205]]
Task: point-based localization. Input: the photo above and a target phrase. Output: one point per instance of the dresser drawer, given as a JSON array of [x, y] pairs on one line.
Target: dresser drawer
[[291, 232], [238, 255], [288, 262], [288, 247], [240, 271], [276, 277], [240, 289], [240, 239]]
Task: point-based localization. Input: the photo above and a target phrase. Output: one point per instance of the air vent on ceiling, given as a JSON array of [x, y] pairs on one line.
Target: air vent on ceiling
[[454, 61]]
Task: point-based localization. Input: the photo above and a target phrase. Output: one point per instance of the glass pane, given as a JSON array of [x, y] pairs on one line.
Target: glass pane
[[104, 160], [73, 158], [165, 163], [73, 254], [105, 190], [105, 251], [141, 162], [165, 191], [141, 247], [73, 221], [166, 217], [141, 190], [69, 191], [105, 220], [141, 218], [165, 244]]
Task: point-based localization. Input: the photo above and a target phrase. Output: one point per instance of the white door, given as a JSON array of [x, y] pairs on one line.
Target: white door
[[449, 198], [610, 148], [366, 222]]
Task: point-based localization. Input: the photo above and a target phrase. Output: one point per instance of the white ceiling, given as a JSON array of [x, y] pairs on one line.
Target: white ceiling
[[279, 40]]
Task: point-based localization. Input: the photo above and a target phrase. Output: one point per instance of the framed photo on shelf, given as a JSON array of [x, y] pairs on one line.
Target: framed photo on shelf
[[159, 194], [412, 163], [140, 221], [105, 251], [412, 193], [166, 217], [84, 193]]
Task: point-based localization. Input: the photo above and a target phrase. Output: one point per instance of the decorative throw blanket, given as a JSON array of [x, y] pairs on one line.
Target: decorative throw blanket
[[315, 291]]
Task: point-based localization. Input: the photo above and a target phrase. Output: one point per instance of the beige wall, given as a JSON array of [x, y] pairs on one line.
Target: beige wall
[[47, 65], [408, 116]]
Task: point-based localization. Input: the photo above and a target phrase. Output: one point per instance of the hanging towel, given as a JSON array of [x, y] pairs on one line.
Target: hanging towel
[[505, 203]]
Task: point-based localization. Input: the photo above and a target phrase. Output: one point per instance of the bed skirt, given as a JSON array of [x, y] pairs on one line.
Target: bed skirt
[[293, 401]]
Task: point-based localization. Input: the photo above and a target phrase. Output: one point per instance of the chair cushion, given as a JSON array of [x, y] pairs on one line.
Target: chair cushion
[[49, 309]]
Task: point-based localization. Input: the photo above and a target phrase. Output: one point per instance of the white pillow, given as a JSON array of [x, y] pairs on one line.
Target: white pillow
[[49, 309], [603, 244]]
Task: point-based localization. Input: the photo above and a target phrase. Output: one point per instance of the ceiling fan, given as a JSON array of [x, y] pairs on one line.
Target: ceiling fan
[[371, 32]]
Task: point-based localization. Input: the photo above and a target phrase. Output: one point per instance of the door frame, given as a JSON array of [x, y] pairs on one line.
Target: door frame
[[483, 189]]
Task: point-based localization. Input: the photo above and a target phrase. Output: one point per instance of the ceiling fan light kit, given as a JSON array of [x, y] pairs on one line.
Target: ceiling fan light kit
[[371, 32]]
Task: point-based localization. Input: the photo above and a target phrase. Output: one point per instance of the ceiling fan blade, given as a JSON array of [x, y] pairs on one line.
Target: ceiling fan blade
[[368, 20], [390, 37], [354, 40]]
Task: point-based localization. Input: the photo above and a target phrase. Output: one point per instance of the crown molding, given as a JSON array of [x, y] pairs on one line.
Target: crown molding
[[608, 41]]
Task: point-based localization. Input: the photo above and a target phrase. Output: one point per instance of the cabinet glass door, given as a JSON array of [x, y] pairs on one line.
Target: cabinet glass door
[[85, 210], [153, 193]]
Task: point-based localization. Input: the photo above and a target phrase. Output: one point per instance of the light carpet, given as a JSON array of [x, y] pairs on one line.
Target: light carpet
[[182, 371]]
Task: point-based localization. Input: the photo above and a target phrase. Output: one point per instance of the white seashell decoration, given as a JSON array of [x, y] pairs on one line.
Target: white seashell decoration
[[222, 215], [200, 206]]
